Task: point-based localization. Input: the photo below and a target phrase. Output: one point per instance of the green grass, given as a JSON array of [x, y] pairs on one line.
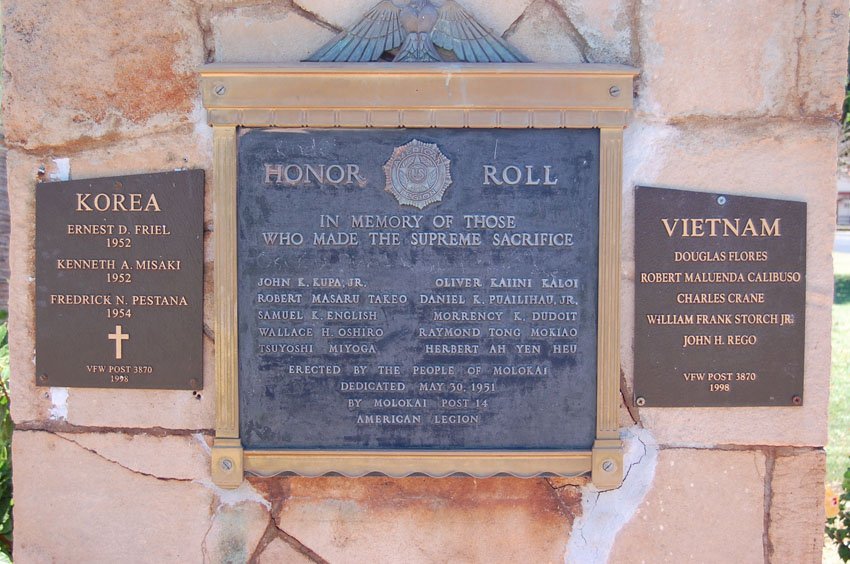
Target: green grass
[[839, 392]]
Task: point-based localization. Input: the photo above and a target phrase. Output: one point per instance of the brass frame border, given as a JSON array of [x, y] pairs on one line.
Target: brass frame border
[[417, 95]]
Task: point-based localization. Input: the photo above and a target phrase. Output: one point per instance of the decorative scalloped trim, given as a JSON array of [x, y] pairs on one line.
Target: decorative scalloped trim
[[541, 474]]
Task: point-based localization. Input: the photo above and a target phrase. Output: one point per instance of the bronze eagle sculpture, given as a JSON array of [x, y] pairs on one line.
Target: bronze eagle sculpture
[[416, 28]]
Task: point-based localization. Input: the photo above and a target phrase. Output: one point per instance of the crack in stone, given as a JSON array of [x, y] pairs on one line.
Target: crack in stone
[[513, 27], [291, 5], [765, 449], [204, 553], [584, 477], [605, 513], [798, 68], [300, 546], [744, 121], [626, 393], [633, 464], [567, 510], [572, 30], [107, 459], [629, 469], [199, 438], [274, 531], [769, 466], [202, 18], [636, 52], [56, 426], [589, 513], [269, 535], [313, 17]]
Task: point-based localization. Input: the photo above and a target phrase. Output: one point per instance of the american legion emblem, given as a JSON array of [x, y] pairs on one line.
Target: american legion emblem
[[418, 174]]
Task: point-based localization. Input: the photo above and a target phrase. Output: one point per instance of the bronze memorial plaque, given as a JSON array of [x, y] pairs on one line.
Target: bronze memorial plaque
[[431, 289], [417, 268], [119, 279], [720, 291]]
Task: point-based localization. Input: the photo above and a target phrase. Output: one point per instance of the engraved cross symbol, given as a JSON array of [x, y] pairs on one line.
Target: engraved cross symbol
[[119, 339]]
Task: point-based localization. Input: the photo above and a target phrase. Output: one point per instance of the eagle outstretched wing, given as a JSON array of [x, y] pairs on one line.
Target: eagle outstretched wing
[[378, 31], [470, 41]]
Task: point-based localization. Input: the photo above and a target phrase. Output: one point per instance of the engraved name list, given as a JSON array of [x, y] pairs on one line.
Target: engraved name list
[[720, 299], [425, 289], [119, 274]]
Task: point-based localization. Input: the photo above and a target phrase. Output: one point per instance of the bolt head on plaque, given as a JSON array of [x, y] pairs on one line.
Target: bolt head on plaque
[[418, 174]]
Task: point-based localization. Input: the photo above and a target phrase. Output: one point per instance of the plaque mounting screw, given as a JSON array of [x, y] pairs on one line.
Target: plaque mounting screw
[[43, 377], [226, 464], [640, 402], [797, 400], [220, 89], [614, 91], [721, 200], [609, 465]]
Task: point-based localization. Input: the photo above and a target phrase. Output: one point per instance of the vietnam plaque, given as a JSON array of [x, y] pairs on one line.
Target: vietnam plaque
[[720, 291], [119, 267]]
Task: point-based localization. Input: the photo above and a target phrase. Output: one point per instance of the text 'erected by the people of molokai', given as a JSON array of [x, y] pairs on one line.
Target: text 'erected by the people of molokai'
[[418, 289]]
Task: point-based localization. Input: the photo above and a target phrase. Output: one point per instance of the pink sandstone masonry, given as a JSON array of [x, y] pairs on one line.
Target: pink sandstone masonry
[[740, 97]]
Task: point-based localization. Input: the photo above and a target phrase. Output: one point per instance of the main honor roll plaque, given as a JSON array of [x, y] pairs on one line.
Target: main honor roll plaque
[[414, 274], [418, 289]]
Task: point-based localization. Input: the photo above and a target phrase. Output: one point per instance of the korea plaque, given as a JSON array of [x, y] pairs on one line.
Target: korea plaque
[[119, 267], [720, 293]]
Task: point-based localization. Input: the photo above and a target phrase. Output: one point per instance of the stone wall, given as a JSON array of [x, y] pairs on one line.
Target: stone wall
[[739, 97]]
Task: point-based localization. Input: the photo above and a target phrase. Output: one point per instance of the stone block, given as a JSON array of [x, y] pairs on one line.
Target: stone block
[[544, 35], [375, 520], [765, 158], [79, 71], [717, 57], [73, 505], [797, 507], [278, 34], [235, 533], [174, 457], [278, 551], [606, 27], [822, 66], [704, 506], [167, 409]]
